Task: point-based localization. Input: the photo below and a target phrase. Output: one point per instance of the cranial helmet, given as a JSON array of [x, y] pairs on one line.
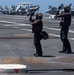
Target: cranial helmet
[[39, 15], [67, 8]]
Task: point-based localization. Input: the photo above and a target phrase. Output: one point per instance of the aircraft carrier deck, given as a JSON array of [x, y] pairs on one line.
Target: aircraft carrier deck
[[16, 47]]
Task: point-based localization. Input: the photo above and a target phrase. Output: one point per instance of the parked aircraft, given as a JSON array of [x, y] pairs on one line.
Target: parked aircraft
[[5, 10], [26, 8], [12, 9], [20, 9], [1, 9], [52, 10]]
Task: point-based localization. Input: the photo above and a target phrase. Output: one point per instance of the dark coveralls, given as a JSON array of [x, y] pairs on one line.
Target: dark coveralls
[[37, 26], [65, 23]]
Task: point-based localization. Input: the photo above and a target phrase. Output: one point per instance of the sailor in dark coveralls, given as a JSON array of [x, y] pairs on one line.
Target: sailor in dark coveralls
[[65, 24], [37, 26]]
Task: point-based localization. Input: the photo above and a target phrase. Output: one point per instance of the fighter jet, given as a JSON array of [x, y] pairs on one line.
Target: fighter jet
[[52, 12], [5, 10], [1, 9], [12, 9], [26, 8]]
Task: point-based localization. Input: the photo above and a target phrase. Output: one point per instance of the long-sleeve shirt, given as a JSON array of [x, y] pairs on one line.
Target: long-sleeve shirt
[[37, 25], [66, 19]]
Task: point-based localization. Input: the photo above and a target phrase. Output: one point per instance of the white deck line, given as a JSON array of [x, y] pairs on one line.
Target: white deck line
[[12, 66], [50, 28]]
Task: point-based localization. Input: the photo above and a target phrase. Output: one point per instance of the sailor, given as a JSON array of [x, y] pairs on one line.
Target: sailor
[[65, 23], [37, 26]]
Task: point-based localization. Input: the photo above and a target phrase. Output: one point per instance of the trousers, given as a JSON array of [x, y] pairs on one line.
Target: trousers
[[64, 38], [37, 43]]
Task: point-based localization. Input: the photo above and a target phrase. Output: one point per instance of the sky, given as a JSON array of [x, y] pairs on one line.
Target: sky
[[43, 3]]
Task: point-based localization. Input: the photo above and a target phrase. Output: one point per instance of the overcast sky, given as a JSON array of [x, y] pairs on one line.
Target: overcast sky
[[43, 3]]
